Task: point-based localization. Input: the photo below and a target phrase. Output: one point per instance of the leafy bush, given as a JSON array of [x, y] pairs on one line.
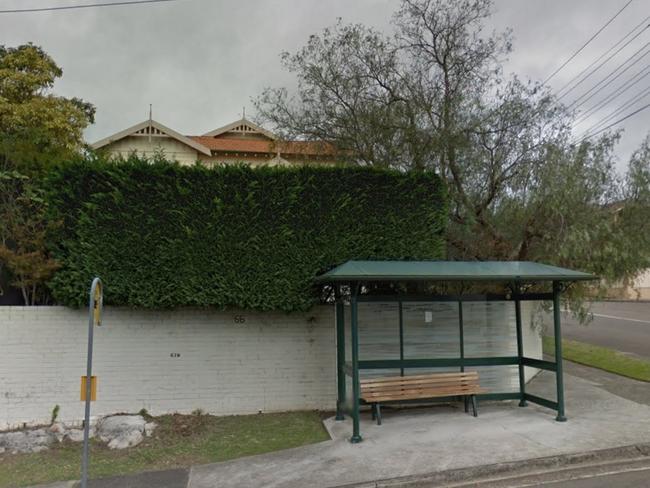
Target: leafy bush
[[164, 235]]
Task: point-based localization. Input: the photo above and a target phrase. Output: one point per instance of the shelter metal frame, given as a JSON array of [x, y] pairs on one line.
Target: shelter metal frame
[[352, 367]]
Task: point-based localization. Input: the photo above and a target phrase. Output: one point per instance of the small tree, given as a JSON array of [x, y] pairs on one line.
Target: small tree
[[22, 240], [37, 129]]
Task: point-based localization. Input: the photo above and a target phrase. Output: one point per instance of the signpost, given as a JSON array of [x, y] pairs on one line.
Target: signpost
[[89, 382]]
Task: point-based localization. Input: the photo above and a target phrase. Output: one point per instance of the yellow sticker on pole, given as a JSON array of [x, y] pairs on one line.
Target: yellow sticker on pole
[[98, 302], [93, 388]]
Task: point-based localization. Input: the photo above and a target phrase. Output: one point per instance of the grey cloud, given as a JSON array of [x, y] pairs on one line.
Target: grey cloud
[[199, 61]]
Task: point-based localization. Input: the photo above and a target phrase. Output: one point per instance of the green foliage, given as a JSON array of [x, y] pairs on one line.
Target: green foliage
[[22, 236], [144, 413], [601, 357], [435, 95], [36, 127], [55, 413], [163, 235]]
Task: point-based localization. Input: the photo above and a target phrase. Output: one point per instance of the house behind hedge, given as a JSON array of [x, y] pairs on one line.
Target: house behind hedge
[[239, 141]]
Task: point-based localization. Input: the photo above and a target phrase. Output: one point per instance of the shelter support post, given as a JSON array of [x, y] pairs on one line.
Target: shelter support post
[[356, 387], [461, 332], [559, 380], [400, 311], [520, 348], [461, 338], [340, 357]]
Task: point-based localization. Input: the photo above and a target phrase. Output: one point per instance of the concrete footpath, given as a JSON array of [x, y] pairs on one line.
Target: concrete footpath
[[420, 442]]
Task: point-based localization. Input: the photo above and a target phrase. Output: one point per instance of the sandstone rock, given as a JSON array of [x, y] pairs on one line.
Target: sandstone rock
[[58, 430], [127, 439], [122, 431], [149, 427], [26, 441], [76, 435], [111, 427]]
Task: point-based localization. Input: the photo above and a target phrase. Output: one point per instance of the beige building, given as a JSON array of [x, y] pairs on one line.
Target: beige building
[[240, 141], [637, 289]]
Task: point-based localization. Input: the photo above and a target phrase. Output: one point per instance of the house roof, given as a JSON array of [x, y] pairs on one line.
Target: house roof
[[152, 128], [234, 137], [451, 271], [262, 146], [242, 125]]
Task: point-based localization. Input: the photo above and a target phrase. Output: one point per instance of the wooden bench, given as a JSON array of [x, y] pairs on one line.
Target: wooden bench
[[375, 391]]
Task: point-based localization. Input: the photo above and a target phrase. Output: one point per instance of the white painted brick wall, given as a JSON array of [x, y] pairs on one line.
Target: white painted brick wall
[[272, 362]]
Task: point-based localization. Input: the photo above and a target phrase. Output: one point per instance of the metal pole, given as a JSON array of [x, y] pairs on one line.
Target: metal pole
[[461, 327], [340, 356], [401, 337], [356, 387], [520, 348], [559, 380], [89, 366]]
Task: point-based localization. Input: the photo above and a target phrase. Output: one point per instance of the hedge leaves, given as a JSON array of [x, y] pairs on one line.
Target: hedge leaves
[[162, 235]]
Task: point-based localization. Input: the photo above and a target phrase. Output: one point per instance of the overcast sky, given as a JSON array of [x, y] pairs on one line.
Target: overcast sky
[[200, 61]]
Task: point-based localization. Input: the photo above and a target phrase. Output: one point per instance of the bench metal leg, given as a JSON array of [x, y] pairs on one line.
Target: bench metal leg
[[466, 402], [378, 413], [474, 407], [373, 410]]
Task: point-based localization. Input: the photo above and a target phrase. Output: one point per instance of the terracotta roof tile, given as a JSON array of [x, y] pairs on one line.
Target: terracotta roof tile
[[305, 148]]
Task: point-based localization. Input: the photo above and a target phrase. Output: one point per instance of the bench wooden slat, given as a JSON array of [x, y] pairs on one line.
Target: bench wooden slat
[[460, 391], [405, 393], [384, 379], [418, 387], [428, 381], [422, 394]]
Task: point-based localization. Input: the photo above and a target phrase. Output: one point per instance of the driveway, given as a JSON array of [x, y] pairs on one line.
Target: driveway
[[624, 326]]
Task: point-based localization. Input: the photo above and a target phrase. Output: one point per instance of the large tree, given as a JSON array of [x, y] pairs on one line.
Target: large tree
[[37, 129], [433, 95]]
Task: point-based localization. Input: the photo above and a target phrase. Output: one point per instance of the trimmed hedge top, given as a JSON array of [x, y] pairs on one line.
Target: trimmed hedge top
[[164, 235]]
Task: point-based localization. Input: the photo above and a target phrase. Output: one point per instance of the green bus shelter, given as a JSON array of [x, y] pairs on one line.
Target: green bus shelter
[[352, 281]]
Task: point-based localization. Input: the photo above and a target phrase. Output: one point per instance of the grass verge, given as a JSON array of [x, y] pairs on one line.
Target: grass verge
[[178, 441], [601, 358]]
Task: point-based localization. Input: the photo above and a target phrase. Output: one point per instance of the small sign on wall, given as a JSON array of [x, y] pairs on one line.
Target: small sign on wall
[[428, 317]]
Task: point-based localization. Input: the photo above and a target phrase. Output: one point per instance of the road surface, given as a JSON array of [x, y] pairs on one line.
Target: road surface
[[631, 479], [624, 326]]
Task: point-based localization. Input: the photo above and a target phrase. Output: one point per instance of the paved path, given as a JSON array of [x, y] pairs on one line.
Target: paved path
[[637, 391], [439, 438], [624, 326]]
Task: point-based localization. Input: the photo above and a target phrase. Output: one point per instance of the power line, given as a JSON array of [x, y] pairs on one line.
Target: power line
[[587, 68], [630, 58], [89, 5], [581, 100], [584, 78], [587, 43], [617, 122], [614, 94], [630, 102], [627, 104]]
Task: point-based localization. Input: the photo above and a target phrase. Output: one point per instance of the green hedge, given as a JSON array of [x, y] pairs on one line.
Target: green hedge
[[164, 235]]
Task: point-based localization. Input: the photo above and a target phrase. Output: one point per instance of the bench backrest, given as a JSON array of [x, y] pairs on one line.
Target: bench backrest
[[434, 383]]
